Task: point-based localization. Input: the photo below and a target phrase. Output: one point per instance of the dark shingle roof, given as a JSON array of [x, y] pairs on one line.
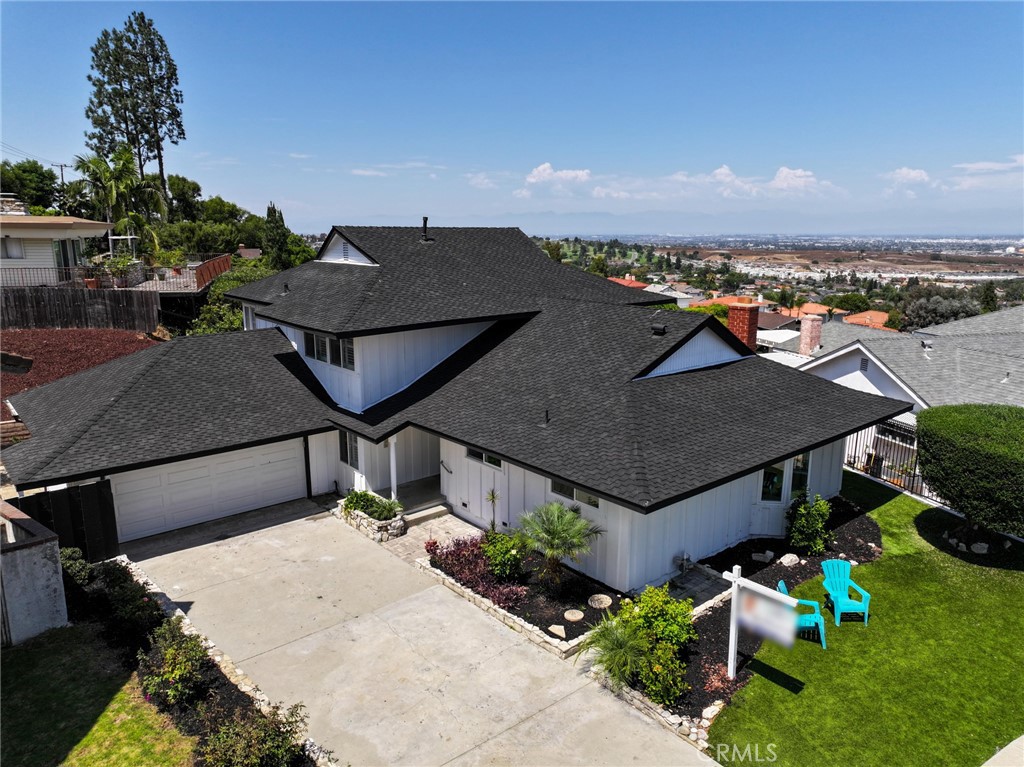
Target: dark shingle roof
[[188, 396], [462, 274]]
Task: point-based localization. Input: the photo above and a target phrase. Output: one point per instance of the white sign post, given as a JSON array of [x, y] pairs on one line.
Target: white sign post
[[764, 611]]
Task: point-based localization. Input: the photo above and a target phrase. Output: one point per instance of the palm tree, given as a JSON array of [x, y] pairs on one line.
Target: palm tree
[[558, 533]]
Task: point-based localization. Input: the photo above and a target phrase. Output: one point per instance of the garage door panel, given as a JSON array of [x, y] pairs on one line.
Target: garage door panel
[[161, 498]]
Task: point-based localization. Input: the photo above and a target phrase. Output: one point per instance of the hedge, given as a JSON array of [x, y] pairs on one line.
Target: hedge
[[973, 457]]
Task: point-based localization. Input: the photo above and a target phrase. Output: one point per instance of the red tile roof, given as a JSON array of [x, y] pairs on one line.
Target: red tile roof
[[629, 283], [872, 318]]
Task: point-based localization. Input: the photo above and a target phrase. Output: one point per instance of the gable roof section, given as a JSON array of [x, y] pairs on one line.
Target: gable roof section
[[462, 274], [1003, 321], [834, 335], [187, 397]]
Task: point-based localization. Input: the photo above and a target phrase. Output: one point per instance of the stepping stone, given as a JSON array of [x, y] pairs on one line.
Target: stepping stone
[[574, 616], [600, 601], [558, 631]]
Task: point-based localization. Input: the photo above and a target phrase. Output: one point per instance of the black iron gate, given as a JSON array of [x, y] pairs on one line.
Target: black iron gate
[[80, 515], [888, 452]]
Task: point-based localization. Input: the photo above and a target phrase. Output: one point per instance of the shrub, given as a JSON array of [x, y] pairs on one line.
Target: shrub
[[805, 524], [75, 568], [176, 669], [464, 560], [558, 533], [505, 555], [662, 618], [619, 649], [662, 674], [973, 457], [373, 506], [251, 738], [130, 613]]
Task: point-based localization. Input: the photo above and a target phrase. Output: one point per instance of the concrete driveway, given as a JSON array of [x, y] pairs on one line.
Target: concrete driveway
[[392, 667]]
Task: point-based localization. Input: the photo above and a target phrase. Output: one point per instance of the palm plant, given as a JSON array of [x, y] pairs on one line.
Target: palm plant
[[492, 498], [619, 649], [557, 533]]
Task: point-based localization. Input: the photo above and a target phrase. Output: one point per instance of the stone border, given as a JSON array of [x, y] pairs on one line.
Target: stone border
[[224, 662], [692, 731], [560, 648], [376, 530]]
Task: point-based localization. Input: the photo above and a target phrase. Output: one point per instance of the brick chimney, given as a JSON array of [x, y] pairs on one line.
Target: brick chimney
[[810, 333], [743, 322]]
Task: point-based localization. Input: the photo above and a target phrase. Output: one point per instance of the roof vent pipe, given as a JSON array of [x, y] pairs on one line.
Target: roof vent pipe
[[424, 235], [286, 287], [658, 330]]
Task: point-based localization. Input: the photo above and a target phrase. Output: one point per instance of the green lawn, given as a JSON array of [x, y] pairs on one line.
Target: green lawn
[[66, 700], [934, 679]]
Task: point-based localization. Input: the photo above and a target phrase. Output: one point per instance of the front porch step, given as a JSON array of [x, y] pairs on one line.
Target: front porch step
[[425, 514]]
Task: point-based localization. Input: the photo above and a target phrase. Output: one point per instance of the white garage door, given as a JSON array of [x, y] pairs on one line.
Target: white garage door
[[173, 495]]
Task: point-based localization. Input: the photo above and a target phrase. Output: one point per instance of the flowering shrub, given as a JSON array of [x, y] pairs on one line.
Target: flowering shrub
[[465, 561], [177, 667], [505, 555]]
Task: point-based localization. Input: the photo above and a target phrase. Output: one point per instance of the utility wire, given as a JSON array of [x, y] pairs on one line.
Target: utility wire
[[11, 149]]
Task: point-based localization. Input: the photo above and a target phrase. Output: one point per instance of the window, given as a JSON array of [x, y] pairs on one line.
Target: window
[[771, 482], [480, 455], [348, 446], [248, 317], [340, 352], [10, 247], [566, 490], [801, 468]]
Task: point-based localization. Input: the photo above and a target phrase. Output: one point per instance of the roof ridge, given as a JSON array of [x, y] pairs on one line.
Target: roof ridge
[[158, 353]]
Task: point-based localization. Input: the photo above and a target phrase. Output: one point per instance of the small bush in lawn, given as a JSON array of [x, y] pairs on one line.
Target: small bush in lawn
[[619, 649], [805, 524], [464, 560], [662, 674], [130, 613], [176, 669], [251, 738], [662, 617], [505, 555]]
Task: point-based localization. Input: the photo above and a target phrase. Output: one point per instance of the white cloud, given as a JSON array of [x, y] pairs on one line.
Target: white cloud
[[523, 194], [602, 192], [411, 164], [1016, 161], [367, 172], [299, 156], [906, 175], [480, 180], [545, 173]]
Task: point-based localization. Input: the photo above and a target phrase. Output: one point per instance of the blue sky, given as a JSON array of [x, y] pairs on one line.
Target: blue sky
[[680, 118]]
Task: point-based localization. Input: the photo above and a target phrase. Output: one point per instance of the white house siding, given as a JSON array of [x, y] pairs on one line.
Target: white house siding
[[374, 472], [389, 362], [385, 364], [419, 454], [704, 349], [37, 253], [826, 475], [845, 370], [340, 251], [324, 462]]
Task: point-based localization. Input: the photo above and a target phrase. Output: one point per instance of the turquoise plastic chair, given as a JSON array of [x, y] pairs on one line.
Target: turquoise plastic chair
[[838, 585], [807, 621]]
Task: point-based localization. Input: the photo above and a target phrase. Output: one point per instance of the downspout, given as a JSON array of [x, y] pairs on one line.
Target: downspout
[[393, 448], [309, 475]]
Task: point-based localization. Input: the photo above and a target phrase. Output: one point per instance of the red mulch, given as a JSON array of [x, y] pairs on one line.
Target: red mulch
[[58, 353]]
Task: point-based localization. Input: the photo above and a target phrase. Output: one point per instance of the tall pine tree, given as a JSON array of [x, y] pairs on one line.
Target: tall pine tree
[[275, 239], [135, 99]]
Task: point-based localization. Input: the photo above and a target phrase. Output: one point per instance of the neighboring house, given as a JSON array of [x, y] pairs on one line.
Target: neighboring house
[[811, 308], [872, 318], [454, 362], [43, 248], [671, 294], [735, 300], [976, 360], [776, 321], [629, 281]]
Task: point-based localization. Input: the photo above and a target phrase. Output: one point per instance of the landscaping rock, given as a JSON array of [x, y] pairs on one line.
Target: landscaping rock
[[980, 548], [705, 723], [702, 744], [842, 556], [854, 562], [600, 601], [1006, 544], [767, 556], [675, 719], [702, 734], [558, 631], [711, 711], [693, 736], [961, 547], [789, 560], [952, 542], [574, 616]]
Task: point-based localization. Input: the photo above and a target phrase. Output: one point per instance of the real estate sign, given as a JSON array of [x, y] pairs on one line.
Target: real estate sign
[[757, 608]]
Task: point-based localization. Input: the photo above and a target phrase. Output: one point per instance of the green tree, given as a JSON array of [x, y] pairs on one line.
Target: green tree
[[557, 532], [554, 249], [135, 98], [184, 201], [851, 302], [923, 312], [30, 182], [598, 265], [275, 239], [217, 210], [987, 297]]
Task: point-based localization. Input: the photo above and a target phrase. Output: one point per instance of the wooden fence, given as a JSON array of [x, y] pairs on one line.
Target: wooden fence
[[81, 515], [42, 307]]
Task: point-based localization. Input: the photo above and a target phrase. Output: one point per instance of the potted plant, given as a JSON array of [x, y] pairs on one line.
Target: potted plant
[[120, 267], [91, 283]]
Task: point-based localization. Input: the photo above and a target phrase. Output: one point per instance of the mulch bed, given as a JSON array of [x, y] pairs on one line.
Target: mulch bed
[[57, 353], [545, 605], [852, 531]]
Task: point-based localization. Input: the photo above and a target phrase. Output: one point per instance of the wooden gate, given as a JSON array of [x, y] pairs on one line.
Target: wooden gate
[[81, 515]]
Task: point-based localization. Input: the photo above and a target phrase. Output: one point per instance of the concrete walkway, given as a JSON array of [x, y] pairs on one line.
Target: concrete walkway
[[1011, 756], [393, 668], [410, 546]]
